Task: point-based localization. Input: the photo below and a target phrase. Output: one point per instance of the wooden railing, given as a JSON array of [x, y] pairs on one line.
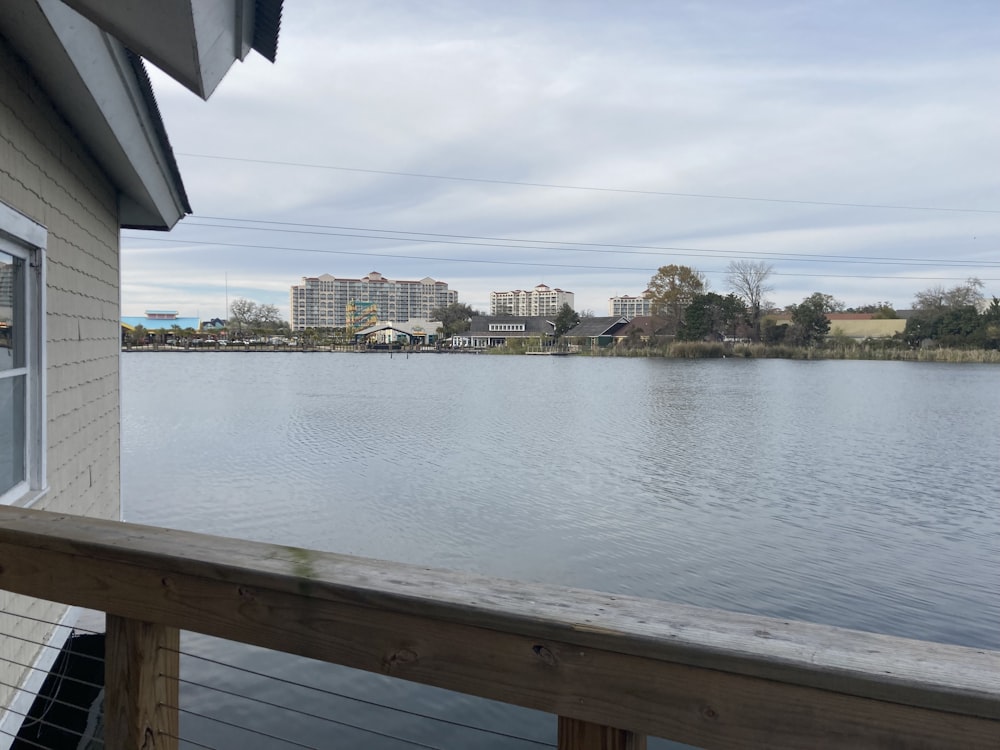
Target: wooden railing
[[614, 669]]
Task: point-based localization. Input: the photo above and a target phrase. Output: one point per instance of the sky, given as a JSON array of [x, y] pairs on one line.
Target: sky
[[854, 146]]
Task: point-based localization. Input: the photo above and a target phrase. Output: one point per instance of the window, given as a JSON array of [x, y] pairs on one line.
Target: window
[[22, 372]]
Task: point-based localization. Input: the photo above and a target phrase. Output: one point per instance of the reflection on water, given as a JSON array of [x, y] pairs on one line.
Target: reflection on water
[[859, 494]]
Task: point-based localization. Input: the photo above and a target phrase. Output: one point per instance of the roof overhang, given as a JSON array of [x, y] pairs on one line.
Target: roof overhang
[[101, 88], [92, 82], [194, 41]]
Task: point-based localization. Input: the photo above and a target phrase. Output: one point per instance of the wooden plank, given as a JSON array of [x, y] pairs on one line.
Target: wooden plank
[[576, 654], [583, 735], [141, 666]]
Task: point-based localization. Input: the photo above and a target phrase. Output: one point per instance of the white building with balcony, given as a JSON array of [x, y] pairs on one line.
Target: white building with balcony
[[322, 301], [630, 307], [542, 300]]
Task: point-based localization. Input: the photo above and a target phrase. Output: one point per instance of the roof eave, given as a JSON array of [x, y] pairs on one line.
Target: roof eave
[[93, 84], [194, 41]]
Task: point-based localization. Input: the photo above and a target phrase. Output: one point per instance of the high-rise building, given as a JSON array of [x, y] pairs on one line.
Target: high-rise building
[[629, 307], [322, 301], [542, 300]]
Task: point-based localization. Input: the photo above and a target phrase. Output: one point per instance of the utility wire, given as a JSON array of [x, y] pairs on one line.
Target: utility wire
[[588, 247], [522, 263], [591, 188], [567, 243]]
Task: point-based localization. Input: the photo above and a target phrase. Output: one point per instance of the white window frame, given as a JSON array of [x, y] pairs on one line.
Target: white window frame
[[26, 239]]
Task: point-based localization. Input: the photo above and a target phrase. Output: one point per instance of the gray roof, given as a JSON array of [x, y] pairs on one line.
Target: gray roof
[[591, 327], [533, 325], [266, 25]]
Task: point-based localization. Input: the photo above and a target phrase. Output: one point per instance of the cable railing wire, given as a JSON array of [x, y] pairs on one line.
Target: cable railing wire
[[77, 680], [25, 740], [341, 723], [324, 691], [242, 728], [22, 616], [61, 728], [185, 741], [89, 657], [335, 694], [55, 700]]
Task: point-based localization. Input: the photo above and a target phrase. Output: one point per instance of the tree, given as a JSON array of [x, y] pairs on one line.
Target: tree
[[748, 279], [671, 290], [250, 316], [878, 310], [711, 315], [809, 321], [454, 318], [949, 316], [565, 319], [969, 294]]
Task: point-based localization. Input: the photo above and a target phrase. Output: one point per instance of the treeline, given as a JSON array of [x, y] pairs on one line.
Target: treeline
[[684, 310]]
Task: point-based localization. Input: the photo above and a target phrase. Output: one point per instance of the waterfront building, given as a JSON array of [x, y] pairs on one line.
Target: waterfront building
[[155, 320], [630, 307], [542, 300], [322, 301], [487, 331]]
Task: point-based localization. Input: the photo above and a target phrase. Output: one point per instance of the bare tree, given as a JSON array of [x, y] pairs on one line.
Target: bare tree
[[969, 294], [251, 316], [748, 281]]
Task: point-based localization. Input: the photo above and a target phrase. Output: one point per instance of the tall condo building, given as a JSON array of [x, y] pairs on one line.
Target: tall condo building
[[542, 300], [629, 307], [322, 301]]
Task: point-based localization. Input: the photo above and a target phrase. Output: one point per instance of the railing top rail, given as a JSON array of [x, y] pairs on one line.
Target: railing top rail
[[237, 589]]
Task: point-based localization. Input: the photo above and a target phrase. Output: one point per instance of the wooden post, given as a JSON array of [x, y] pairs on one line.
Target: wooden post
[[141, 667], [575, 734]]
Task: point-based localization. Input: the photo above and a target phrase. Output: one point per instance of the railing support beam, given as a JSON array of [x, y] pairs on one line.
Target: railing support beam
[[575, 734], [141, 667]]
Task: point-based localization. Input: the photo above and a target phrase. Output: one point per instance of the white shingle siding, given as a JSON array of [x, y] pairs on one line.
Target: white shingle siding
[[47, 175]]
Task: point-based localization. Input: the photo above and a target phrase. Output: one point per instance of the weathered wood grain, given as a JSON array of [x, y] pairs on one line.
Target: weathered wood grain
[[583, 735], [705, 677], [141, 667]]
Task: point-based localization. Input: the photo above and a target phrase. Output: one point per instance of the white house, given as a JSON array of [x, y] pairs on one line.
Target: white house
[[83, 153]]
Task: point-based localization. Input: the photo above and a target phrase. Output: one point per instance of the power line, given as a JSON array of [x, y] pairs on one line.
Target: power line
[[583, 247], [591, 188], [520, 263]]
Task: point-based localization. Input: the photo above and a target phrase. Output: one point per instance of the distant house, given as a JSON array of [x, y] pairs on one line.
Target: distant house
[[488, 331], [858, 326], [595, 332], [411, 332], [637, 331], [83, 153]]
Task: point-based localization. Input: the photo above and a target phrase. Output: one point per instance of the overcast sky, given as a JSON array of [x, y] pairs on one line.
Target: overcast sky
[[650, 133]]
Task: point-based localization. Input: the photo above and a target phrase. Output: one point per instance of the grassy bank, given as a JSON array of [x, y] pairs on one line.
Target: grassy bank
[[876, 351]]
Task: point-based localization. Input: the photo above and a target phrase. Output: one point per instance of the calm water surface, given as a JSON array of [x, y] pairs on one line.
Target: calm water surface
[[859, 494]]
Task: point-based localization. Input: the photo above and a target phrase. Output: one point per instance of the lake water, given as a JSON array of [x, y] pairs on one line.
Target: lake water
[[858, 494]]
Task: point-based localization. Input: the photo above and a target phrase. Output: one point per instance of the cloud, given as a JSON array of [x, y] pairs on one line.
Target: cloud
[[884, 104]]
